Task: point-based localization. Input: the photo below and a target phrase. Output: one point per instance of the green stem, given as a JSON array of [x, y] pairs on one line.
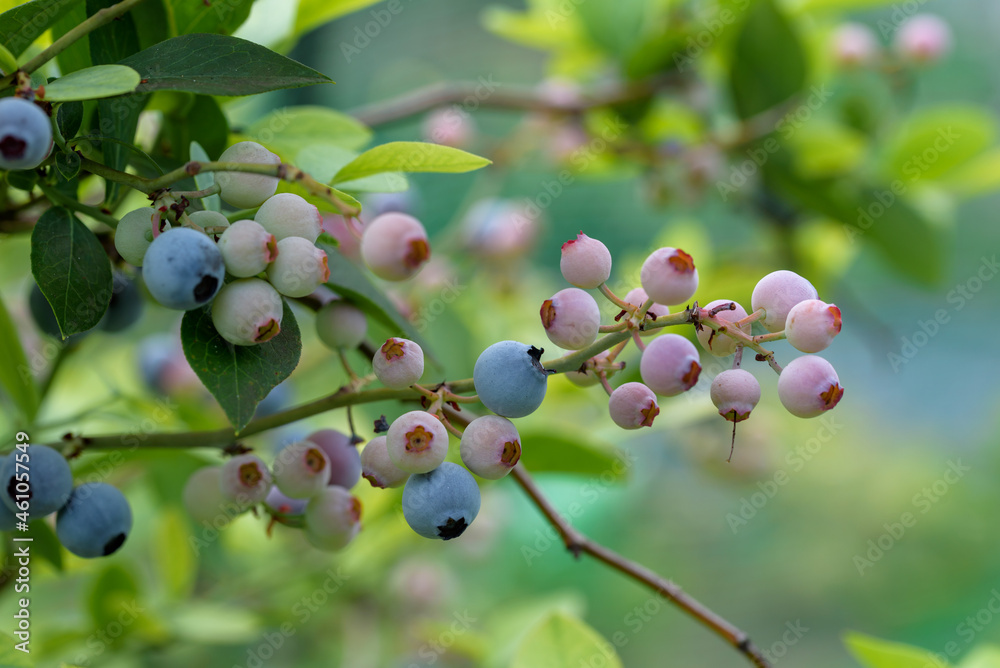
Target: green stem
[[70, 203], [100, 18]]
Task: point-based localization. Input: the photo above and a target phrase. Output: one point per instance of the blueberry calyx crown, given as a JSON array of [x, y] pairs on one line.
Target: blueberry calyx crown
[[536, 359], [453, 528]]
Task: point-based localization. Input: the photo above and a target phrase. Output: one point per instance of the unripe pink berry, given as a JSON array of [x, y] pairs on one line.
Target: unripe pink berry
[[585, 262], [417, 442], [243, 190], [735, 392], [449, 126], [299, 269], [637, 297], [854, 44], [332, 519], [499, 230], [633, 405], [395, 246], [670, 365], [247, 312], [346, 234], [340, 324], [490, 446], [345, 462], [287, 215], [668, 276], [203, 498], [812, 324], [247, 248], [301, 470], [923, 38], [809, 386], [718, 343], [377, 468], [398, 363], [777, 293], [571, 318], [210, 219], [590, 378], [245, 480]]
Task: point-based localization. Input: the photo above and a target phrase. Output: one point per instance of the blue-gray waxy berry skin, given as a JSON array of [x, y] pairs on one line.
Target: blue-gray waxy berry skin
[[95, 521], [442, 503], [183, 269], [25, 134], [509, 379], [49, 477]]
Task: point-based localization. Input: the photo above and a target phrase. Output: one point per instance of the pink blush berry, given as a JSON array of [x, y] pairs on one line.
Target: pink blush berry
[[777, 293], [633, 405], [668, 276], [398, 363], [809, 386], [585, 262], [735, 392], [854, 44], [377, 468], [345, 462], [245, 480], [923, 38], [670, 365], [571, 318], [490, 446], [812, 324], [247, 248], [417, 442], [395, 246], [718, 343]]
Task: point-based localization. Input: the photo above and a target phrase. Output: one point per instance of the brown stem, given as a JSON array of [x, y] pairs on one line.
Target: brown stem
[[579, 544]]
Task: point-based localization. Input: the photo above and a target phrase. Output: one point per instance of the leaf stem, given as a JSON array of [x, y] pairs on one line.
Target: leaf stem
[[71, 203]]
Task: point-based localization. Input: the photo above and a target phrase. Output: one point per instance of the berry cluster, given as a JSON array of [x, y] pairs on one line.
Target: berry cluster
[[920, 39], [93, 519]]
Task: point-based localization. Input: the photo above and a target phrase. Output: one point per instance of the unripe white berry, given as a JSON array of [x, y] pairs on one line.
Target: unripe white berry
[[633, 405], [668, 276], [571, 318], [854, 44], [377, 468], [808, 386], [245, 480], [585, 262], [340, 324], [417, 442], [490, 446], [812, 324], [247, 312], [288, 215], [210, 219], [299, 268], [203, 498], [777, 293], [301, 470], [718, 343], [735, 392], [247, 248], [241, 189], [398, 363], [332, 518]]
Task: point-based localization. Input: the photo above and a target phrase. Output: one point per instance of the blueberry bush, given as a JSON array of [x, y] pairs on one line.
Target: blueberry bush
[[243, 328]]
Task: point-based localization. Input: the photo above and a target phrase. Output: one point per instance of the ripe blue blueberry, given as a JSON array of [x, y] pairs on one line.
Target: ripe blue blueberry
[[95, 521], [183, 269], [509, 378], [7, 518], [125, 307], [43, 479], [45, 317], [25, 134], [441, 503]]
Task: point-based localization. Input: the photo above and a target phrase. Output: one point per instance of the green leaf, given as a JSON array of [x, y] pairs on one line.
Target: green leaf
[[91, 83], [15, 374], [562, 641], [571, 451], [222, 17], [218, 65], [10, 657], [68, 164], [72, 270], [314, 13], [69, 118], [979, 176], [875, 653], [934, 142], [288, 130], [319, 202], [113, 592], [323, 161], [77, 56], [838, 5], [983, 656], [21, 26], [8, 62], [767, 65], [188, 118], [409, 156], [203, 180], [112, 41], [615, 26], [239, 377], [347, 280], [45, 544]]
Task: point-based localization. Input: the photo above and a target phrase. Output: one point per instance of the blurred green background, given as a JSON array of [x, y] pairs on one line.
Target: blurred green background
[[769, 557]]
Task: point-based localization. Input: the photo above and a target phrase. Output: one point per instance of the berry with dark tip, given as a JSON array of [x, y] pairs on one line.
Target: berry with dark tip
[[25, 134], [125, 307], [38, 480], [183, 269], [571, 318], [777, 293], [735, 392], [441, 503], [241, 189], [247, 312], [718, 343], [398, 363], [491, 446], [332, 518], [417, 442], [669, 276], [395, 246], [670, 365], [345, 462], [95, 522], [585, 262], [812, 324], [377, 468], [809, 386], [509, 378], [633, 405]]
